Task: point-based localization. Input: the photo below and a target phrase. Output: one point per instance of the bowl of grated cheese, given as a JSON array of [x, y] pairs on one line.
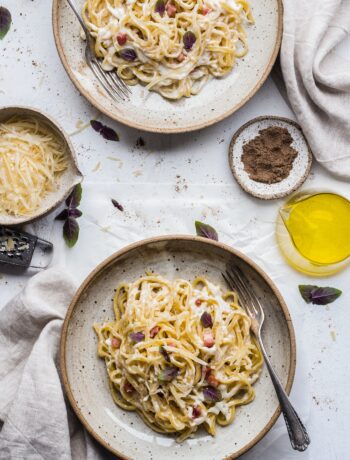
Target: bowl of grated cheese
[[38, 166]]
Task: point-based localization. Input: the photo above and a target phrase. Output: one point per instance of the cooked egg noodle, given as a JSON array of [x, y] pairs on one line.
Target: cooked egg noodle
[[175, 310], [162, 63]]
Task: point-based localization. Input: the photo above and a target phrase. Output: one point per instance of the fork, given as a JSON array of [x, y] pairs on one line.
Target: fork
[[113, 85], [236, 279]]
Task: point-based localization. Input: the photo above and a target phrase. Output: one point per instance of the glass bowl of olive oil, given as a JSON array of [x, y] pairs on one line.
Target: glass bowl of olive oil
[[313, 232]]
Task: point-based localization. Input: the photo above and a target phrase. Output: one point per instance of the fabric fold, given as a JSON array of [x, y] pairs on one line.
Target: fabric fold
[[317, 79]]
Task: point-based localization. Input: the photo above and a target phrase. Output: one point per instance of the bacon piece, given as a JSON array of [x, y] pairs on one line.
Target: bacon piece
[[206, 371], [196, 412], [171, 10], [198, 302], [181, 57], [122, 38], [128, 388], [208, 338], [213, 381], [154, 331], [116, 342], [205, 11]]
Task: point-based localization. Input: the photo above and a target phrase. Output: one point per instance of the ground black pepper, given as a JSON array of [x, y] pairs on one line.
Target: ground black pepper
[[269, 157]]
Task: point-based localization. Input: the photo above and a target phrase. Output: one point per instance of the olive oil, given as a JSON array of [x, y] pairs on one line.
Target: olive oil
[[313, 232]]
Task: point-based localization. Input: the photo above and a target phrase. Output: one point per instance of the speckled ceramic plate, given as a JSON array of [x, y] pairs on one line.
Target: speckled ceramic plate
[[70, 177], [148, 110], [84, 374], [301, 165]]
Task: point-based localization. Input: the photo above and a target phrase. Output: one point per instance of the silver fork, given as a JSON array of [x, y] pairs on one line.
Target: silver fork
[[113, 85], [235, 278]]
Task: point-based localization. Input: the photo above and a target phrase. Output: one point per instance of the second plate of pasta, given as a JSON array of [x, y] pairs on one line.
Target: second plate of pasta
[[157, 357], [189, 63]]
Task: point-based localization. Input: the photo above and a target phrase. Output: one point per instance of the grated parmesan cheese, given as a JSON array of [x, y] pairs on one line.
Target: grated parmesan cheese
[[31, 160]]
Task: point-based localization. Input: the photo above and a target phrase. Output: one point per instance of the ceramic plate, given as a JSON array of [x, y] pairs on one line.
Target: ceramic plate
[[65, 183], [148, 110], [85, 377]]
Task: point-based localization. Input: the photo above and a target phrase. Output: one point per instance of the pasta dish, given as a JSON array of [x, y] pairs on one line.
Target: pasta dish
[[171, 46], [32, 157], [179, 353]]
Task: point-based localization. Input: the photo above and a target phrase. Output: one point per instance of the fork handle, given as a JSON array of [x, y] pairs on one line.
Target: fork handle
[[80, 19], [298, 435]]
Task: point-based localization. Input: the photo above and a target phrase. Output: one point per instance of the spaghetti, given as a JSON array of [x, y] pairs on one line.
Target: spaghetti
[[179, 353], [173, 47]]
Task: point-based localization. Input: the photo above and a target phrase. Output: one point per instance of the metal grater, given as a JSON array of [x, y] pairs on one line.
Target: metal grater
[[18, 248]]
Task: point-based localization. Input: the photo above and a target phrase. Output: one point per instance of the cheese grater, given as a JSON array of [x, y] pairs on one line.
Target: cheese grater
[[20, 250]]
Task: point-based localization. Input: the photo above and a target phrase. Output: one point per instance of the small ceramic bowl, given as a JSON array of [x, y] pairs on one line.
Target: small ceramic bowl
[[301, 165], [70, 177]]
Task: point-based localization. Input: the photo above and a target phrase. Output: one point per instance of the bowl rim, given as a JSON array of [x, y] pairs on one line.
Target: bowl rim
[[232, 163], [23, 110], [158, 239], [118, 116]]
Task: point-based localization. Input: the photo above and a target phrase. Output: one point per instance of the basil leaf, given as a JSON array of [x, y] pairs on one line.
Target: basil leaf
[[117, 205], [5, 21], [206, 320], [128, 54], [168, 374], [62, 215], [206, 231], [212, 394], [74, 212], [73, 201], [107, 133], [164, 353], [137, 336], [319, 295], [71, 231], [189, 40], [160, 7]]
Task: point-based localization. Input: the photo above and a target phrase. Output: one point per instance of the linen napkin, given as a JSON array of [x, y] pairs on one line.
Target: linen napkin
[[317, 79], [37, 422]]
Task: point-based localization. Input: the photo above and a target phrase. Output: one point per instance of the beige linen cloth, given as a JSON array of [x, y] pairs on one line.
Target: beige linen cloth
[[38, 425], [317, 79]]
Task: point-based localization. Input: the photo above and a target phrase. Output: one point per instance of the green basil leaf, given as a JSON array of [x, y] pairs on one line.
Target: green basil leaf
[[206, 231], [5, 21], [319, 295], [71, 231]]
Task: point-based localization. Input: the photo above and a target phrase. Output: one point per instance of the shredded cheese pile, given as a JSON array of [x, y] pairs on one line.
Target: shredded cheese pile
[[179, 353], [31, 159]]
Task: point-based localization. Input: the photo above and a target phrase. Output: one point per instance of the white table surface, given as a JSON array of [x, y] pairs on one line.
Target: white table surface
[[182, 178]]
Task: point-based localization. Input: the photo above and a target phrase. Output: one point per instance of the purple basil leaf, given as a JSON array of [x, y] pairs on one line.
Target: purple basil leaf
[[137, 336], [73, 201], [168, 374], [319, 295], [212, 394], [189, 40], [96, 125], [164, 353], [107, 133], [205, 230], [206, 320], [62, 215], [117, 205], [128, 54], [160, 7], [74, 212], [5, 21], [71, 231], [140, 142]]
